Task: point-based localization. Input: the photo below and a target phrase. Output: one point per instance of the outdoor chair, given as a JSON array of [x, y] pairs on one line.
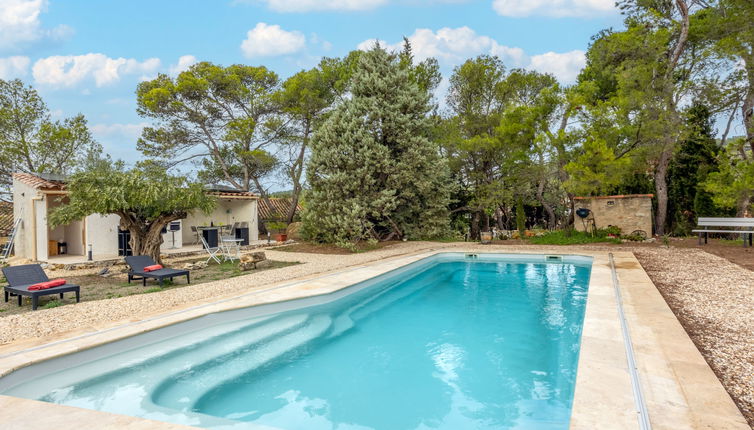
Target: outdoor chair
[[138, 263], [196, 233], [20, 278], [213, 252]]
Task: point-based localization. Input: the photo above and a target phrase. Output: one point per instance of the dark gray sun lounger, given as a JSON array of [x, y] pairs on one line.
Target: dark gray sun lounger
[[20, 278], [137, 263]]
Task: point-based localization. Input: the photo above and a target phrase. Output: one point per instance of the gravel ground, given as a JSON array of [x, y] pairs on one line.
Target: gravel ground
[[714, 301], [712, 297]]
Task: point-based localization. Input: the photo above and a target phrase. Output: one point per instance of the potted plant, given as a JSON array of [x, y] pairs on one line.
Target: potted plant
[[280, 227], [486, 237]]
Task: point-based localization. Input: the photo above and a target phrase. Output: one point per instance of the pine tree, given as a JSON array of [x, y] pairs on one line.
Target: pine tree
[[690, 166], [373, 173]]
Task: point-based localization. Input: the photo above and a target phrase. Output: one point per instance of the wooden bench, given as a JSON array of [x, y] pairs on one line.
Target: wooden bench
[[745, 228]]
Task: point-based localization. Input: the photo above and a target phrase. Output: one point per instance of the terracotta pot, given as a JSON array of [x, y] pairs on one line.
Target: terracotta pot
[[486, 237], [281, 237]]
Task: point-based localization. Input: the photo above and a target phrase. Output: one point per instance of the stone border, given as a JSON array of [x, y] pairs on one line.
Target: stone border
[[680, 389]]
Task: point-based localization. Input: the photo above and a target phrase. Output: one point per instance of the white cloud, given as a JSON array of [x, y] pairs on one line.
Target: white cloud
[[312, 5], [20, 24], [183, 64], [266, 40], [14, 67], [554, 8], [129, 131], [565, 66], [70, 70], [452, 46]]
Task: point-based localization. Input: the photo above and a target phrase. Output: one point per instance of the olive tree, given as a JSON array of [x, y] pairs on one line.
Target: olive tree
[[146, 199]]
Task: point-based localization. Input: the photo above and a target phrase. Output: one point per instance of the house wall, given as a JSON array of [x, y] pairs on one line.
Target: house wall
[[23, 209], [167, 238], [629, 213], [102, 234], [72, 233], [227, 211]]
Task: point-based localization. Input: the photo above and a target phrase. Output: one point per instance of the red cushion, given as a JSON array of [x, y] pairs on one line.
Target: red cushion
[[153, 267], [46, 285]]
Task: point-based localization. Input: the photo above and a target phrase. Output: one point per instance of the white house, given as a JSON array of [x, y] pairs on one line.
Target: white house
[[34, 196]]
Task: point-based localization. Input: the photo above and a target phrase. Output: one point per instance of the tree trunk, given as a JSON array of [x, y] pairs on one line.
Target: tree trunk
[[541, 199], [521, 218], [499, 219], [748, 112], [297, 171], [146, 237], [474, 228], [661, 189], [742, 208]]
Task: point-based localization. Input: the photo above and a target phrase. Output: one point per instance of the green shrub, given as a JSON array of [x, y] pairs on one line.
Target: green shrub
[[609, 230], [561, 237]]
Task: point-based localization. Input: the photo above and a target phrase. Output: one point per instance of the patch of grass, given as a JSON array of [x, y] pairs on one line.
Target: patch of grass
[[736, 242], [52, 304], [559, 237], [152, 290]]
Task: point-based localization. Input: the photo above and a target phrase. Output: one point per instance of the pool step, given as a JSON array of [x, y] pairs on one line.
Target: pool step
[[376, 301], [182, 391], [128, 364], [390, 296]]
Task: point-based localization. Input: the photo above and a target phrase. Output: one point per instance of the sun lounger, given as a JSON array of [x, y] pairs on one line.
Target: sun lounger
[[137, 263], [25, 281]]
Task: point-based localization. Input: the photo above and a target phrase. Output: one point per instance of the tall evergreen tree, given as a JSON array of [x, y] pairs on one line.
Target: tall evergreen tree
[[690, 166], [373, 173]]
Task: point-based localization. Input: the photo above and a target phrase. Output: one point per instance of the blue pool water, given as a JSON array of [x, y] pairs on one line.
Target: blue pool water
[[446, 343]]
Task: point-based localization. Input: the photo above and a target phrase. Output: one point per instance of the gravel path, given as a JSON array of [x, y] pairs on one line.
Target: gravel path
[[712, 297], [714, 301]]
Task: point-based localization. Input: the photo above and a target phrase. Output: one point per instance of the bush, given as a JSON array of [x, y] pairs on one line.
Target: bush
[[609, 230]]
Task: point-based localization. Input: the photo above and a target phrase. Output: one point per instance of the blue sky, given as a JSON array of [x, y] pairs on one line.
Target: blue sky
[[88, 56]]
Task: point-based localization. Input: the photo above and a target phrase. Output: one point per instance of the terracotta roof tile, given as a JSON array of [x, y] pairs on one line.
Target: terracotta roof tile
[[245, 195], [6, 218], [279, 209], [37, 182]]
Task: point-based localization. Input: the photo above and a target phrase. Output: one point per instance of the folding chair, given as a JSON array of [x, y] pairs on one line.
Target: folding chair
[[213, 252]]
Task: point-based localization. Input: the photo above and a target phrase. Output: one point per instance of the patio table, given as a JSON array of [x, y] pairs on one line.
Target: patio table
[[231, 248]]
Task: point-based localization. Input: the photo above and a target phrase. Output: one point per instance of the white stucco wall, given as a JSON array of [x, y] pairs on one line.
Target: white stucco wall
[[167, 238], [102, 234], [22, 208]]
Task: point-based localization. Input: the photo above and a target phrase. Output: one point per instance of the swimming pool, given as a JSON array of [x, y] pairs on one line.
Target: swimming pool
[[451, 341]]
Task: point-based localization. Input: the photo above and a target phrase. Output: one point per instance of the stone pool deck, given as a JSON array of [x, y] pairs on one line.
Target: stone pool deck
[[680, 389]]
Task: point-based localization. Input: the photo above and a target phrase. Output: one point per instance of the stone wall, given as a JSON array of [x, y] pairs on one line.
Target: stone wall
[[629, 212]]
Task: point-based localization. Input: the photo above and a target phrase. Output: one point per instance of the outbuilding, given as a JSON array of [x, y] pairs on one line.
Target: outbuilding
[[632, 213], [35, 195]]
